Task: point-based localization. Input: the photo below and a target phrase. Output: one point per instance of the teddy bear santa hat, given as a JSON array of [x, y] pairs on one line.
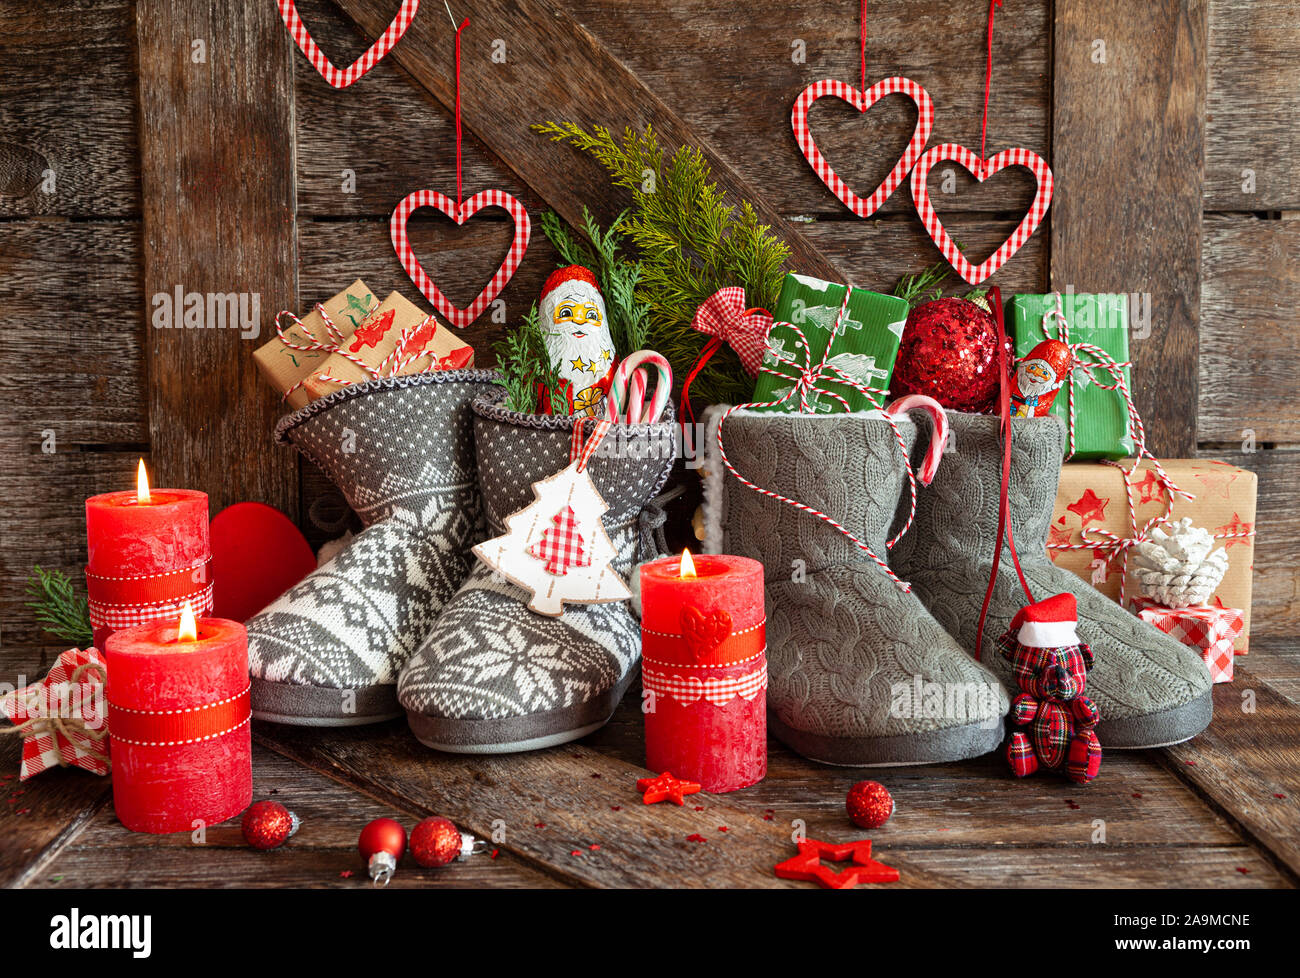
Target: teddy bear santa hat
[[1047, 624], [577, 332]]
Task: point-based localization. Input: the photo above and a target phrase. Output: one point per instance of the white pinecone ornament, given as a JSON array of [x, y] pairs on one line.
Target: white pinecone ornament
[[1177, 565]]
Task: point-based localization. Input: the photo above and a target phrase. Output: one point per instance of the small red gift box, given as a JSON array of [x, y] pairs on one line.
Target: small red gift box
[[1211, 630]]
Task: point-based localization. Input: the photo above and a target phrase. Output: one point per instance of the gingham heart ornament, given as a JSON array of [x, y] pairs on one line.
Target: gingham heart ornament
[[460, 318], [342, 79], [862, 101], [981, 170]]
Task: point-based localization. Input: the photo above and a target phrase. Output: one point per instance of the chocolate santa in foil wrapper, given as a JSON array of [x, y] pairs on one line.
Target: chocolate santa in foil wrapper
[[1038, 377], [572, 317]]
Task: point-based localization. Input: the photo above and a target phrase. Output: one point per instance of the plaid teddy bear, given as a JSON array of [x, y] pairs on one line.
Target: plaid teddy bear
[[1051, 666]]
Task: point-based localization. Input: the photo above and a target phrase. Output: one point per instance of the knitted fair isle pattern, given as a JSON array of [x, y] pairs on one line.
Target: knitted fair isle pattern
[[489, 657], [402, 452], [842, 637], [948, 557]]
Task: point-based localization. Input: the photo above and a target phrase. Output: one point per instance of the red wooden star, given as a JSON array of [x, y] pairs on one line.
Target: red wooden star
[[665, 787], [1090, 507], [862, 868]]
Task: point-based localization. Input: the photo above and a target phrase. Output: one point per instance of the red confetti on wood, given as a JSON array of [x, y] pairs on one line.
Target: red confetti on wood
[[540, 825], [1278, 794], [696, 837], [1137, 794], [615, 808], [768, 818], [593, 847], [723, 828], [1243, 870], [1190, 763], [346, 874], [494, 853], [576, 852]]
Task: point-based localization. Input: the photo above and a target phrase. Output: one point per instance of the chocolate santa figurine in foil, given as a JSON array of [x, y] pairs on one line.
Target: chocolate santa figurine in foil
[[1038, 377], [572, 317]]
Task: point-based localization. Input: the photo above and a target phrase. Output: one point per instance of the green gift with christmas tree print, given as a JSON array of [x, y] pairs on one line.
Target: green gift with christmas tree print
[[1101, 421], [864, 347]]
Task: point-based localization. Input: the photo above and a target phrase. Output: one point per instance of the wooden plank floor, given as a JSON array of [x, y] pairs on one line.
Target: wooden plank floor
[[1222, 811]]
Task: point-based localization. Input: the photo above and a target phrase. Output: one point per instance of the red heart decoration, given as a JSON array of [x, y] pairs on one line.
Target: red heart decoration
[[863, 101], [704, 633], [257, 555], [342, 79], [981, 170], [460, 318]]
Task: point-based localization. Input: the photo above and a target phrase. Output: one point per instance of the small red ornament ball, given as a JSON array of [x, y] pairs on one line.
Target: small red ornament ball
[[435, 842], [382, 835], [267, 824], [950, 352], [869, 804]]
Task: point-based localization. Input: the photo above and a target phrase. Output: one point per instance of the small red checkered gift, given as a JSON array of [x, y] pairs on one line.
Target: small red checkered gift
[[1210, 629], [61, 718]]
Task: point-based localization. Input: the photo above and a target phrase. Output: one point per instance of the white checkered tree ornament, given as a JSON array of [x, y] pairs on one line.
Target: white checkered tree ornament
[[556, 547]]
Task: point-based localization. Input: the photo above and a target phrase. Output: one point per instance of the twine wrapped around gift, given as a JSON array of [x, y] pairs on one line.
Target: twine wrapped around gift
[[392, 365], [50, 738], [810, 383]]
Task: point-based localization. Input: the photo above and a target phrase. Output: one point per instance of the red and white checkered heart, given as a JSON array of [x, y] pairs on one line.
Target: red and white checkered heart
[[342, 79], [460, 318], [862, 101], [981, 170]]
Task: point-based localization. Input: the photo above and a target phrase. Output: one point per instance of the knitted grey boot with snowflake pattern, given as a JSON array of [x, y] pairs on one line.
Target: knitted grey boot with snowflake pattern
[[494, 677], [1151, 689], [327, 652], [860, 673]]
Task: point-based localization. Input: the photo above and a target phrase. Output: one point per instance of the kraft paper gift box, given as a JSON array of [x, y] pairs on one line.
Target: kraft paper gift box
[[376, 339], [865, 347], [1210, 630], [284, 367], [1091, 495], [1101, 426]]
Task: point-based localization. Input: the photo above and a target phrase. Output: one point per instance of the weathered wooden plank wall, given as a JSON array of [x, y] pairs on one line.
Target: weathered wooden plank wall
[[79, 262]]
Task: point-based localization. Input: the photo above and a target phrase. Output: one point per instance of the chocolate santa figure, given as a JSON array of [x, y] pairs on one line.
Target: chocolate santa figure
[[1038, 377], [572, 317]]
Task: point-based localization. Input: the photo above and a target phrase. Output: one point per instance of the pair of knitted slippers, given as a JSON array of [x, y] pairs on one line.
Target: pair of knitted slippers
[[864, 673], [405, 619]]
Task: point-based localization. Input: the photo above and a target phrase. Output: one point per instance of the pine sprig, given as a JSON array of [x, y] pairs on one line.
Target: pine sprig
[[923, 286], [690, 242], [57, 606], [526, 368]]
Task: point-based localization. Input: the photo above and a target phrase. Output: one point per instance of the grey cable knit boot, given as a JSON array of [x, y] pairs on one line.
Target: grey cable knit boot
[[327, 652], [1151, 690], [859, 672], [494, 677]]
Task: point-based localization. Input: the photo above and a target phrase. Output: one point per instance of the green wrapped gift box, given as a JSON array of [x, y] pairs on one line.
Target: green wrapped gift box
[[864, 348], [1101, 417]]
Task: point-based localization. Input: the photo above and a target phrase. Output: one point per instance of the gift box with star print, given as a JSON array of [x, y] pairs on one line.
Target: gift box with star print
[[1101, 422], [283, 366], [430, 345], [1092, 502], [864, 348]]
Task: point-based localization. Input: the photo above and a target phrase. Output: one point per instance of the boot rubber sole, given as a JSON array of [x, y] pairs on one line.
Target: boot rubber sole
[[903, 750], [1163, 729], [322, 706], [512, 735]]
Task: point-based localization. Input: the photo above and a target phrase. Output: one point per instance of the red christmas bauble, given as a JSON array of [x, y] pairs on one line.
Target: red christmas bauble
[[950, 352], [382, 835], [435, 842], [869, 804], [267, 824]]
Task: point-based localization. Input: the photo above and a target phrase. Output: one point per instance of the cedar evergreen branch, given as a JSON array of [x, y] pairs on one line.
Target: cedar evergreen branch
[[63, 613], [525, 363], [690, 242]]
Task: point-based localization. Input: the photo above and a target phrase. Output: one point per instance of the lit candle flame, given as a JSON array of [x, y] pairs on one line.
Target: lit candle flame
[[687, 567], [189, 628], [142, 485]]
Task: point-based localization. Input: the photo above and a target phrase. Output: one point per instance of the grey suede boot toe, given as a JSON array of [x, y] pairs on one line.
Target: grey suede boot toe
[[1151, 689], [859, 671]]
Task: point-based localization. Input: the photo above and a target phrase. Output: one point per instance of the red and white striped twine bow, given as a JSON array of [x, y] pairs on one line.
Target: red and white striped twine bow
[[804, 386], [392, 365], [345, 77]]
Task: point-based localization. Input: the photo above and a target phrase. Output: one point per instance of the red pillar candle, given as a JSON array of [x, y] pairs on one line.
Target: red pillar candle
[[148, 554], [704, 669], [178, 723]]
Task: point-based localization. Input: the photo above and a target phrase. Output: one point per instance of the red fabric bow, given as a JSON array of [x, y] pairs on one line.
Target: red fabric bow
[[724, 318]]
